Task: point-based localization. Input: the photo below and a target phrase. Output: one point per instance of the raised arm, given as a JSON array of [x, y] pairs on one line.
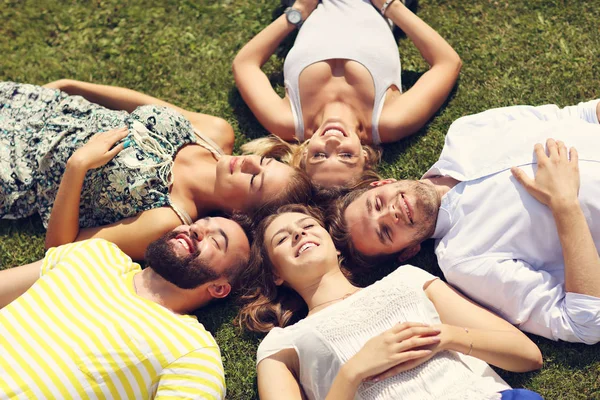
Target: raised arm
[[273, 112], [410, 111], [15, 281], [118, 98]]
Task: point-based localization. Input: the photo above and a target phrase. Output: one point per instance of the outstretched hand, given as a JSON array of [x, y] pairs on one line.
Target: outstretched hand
[[100, 149], [556, 181]]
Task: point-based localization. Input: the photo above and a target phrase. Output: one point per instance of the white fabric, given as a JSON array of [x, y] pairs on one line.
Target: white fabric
[[344, 29], [326, 340], [496, 242]]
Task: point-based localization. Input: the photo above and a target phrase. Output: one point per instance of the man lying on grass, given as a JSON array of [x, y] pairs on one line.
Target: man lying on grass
[[522, 240], [87, 322]]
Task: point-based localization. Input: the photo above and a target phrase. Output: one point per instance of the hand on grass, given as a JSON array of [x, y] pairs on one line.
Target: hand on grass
[[556, 182], [100, 149]]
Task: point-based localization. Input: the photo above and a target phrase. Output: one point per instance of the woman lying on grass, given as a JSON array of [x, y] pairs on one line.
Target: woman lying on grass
[[164, 167], [404, 336], [342, 79]]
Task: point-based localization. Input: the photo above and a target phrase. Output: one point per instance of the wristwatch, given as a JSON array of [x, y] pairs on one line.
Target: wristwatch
[[294, 17]]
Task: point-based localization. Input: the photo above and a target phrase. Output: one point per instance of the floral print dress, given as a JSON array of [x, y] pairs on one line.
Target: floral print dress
[[41, 128]]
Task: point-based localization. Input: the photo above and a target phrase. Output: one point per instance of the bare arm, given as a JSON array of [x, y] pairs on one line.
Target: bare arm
[[489, 337], [273, 112], [15, 281], [118, 98], [410, 111], [63, 226]]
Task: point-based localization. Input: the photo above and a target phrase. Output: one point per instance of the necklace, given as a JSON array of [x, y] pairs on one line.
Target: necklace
[[344, 297]]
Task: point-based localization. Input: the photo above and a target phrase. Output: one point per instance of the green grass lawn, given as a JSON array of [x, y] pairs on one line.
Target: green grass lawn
[[520, 52]]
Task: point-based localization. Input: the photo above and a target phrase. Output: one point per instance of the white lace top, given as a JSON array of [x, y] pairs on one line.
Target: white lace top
[[326, 340]]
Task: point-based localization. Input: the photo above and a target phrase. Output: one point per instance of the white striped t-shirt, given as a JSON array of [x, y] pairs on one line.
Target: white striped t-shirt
[[81, 332]]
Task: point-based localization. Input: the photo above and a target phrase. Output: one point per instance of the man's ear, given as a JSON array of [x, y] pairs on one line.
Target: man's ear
[[409, 252], [383, 182], [219, 289]]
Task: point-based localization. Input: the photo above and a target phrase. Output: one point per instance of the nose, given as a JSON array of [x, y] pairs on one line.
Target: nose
[[197, 231], [251, 165], [389, 214], [298, 234], [332, 142]]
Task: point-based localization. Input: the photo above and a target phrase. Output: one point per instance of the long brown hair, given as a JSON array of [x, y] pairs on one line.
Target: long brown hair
[[264, 304]]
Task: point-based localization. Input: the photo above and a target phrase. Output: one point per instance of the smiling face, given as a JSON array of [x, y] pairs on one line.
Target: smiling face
[[249, 181], [391, 217], [334, 155], [299, 248], [192, 255]]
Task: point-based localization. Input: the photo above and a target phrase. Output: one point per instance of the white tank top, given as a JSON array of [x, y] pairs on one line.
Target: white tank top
[[344, 29]]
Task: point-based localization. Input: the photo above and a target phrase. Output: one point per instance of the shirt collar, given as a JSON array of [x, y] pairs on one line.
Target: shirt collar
[[447, 206]]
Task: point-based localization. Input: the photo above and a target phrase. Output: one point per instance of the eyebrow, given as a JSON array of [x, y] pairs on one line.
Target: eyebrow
[[377, 231], [222, 232], [262, 181], [285, 229]]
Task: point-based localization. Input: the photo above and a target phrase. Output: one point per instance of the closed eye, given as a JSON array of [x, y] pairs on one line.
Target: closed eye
[[216, 243]]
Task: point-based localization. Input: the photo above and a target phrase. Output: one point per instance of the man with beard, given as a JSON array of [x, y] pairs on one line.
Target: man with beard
[[516, 230], [87, 322]]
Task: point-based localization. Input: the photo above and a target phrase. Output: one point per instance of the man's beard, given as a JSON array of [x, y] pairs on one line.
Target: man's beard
[[429, 206], [187, 272]]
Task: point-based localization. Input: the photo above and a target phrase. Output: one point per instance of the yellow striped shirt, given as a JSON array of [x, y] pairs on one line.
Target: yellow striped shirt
[[82, 332]]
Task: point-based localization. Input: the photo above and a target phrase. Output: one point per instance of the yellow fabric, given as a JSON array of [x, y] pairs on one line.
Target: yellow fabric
[[82, 332]]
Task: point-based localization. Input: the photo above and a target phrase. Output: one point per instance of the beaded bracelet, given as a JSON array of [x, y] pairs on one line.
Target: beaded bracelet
[[385, 6], [470, 345]]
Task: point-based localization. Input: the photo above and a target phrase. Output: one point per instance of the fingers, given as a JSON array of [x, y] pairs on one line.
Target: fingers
[[522, 177], [413, 359], [552, 149], [574, 156], [114, 151], [562, 151], [539, 151]]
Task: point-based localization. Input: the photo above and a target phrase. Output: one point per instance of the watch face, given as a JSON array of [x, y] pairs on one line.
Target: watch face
[[294, 16]]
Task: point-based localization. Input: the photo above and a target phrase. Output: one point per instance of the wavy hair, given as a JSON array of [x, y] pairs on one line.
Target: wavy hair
[[293, 154], [264, 305]]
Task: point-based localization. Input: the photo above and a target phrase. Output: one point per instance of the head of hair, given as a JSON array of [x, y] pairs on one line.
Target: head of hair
[[298, 190], [338, 229], [294, 154], [264, 304]]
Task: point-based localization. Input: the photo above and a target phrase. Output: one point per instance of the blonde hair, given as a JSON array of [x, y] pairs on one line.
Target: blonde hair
[[294, 154]]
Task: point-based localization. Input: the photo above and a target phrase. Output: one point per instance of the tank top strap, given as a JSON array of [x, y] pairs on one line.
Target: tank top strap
[[181, 213], [208, 144]]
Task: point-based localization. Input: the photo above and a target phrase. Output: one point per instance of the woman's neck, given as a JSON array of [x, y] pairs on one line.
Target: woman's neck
[[195, 170], [327, 290]]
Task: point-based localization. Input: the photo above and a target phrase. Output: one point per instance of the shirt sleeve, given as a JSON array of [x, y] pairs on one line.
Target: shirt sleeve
[[96, 253], [197, 375], [278, 339], [529, 298], [414, 276]]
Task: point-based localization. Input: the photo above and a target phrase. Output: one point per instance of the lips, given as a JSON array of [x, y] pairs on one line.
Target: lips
[[406, 208], [305, 247], [334, 130], [232, 164], [185, 242]]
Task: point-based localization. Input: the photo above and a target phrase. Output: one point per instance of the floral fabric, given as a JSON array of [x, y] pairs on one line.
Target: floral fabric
[[41, 128]]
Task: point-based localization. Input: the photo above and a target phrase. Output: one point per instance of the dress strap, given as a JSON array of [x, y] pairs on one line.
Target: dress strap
[[208, 144], [182, 214]]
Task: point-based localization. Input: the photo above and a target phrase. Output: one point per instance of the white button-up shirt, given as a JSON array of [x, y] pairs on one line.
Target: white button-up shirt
[[497, 243]]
